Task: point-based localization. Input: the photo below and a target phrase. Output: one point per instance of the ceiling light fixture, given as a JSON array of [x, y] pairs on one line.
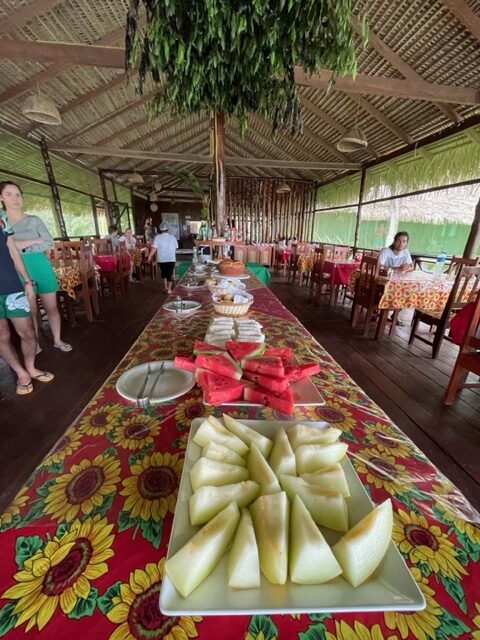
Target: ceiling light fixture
[[283, 187], [353, 139], [40, 108]]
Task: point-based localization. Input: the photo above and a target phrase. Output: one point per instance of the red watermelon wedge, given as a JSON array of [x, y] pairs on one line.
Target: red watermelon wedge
[[300, 371], [269, 382], [285, 353], [282, 402], [184, 362], [240, 350], [205, 347], [266, 366], [222, 364], [218, 389]]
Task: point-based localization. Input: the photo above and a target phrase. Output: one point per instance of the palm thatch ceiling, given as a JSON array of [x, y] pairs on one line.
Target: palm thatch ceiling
[[418, 79]]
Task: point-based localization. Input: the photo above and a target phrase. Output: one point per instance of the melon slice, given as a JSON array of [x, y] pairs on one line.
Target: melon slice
[[207, 501], [239, 350], [248, 435], [284, 353], [186, 363], [312, 457], [327, 508], [261, 472], [282, 458], [207, 348], [332, 479], [222, 364], [209, 472], [194, 562], [271, 523], [213, 429], [243, 561], [215, 451], [361, 550], [300, 371], [219, 389], [268, 382], [308, 434], [267, 366], [311, 560], [282, 402]]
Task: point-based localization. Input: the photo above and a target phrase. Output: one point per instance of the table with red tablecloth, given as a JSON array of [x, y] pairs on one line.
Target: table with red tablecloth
[[107, 262], [340, 270], [84, 541]]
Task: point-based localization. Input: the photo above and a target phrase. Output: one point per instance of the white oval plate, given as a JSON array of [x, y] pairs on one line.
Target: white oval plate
[[171, 384], [187, 307]]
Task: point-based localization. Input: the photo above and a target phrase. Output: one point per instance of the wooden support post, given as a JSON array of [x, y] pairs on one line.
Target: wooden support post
[[359, 210], [95, 218], [474, 235], [105, 196], [53, 187], [219, 164]]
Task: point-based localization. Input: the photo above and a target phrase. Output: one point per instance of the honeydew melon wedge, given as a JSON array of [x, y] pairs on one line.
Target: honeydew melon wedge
[[332, 479], [215, 451], [282, 458], [307, 434], [271, 523], [311, 560], [327, 508], [207, 501], [248, 435], [213, 429], [261, 472], [210, 472], [243, 561], [361, 550], [313, 457], [194, 562]]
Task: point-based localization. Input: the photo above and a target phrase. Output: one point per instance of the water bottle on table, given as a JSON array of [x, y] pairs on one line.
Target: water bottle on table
[[440, 263]]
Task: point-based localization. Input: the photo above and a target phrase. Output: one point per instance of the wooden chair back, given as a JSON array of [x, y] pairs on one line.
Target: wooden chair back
[[89, 284], [66, 250], [458, 261], [102, 246], [367, 292], [468, 359], [341, 252], [328, 251]]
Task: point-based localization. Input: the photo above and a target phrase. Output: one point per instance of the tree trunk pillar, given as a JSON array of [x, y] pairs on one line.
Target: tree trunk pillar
[[219, 166], [474, 235]]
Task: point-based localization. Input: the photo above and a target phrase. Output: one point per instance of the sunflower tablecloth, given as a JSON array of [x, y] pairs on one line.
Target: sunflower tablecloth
[[416, 290], [68, 276], [83, 543]]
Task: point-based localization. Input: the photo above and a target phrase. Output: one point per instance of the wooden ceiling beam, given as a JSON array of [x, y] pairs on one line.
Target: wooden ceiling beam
[[465, 14], [400, 65], [197, 159], [58, 52], [19, 17], [393, 87]]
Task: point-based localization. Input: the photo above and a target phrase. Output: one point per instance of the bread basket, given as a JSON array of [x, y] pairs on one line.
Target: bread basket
[[234, 309]]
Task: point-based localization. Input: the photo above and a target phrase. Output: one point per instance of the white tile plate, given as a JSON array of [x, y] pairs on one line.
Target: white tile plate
[[392, 588], [171, 384]]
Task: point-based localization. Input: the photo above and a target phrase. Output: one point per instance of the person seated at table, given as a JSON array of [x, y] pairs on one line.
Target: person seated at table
[[165, 245], [397, 256], [15, 306], [129, 239], [33, 239], [281, 244], [113, 236]]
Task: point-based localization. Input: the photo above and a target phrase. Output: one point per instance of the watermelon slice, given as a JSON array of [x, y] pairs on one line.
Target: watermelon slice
[[285, 353], [205, 347], [269, 382], [300, 371], [282, 402], [240, 350], [184, 362], [218, 389], [222, 364], [267, 366]]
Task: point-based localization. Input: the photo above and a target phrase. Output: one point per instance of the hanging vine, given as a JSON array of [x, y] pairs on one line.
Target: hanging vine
[[237, 56]]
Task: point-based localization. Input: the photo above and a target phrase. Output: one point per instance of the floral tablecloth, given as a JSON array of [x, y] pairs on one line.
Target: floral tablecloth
[[416, 290], [83, 543], [68, 276]]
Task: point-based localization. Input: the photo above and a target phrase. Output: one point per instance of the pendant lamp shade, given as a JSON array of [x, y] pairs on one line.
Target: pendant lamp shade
[[41, 109], [352, 140], [283, 187], [134, 178]]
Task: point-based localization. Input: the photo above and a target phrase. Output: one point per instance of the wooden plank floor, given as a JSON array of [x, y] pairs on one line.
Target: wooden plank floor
[[403, 380]]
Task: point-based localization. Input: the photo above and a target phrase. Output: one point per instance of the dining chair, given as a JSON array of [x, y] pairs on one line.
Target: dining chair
[[368, 292], [89, 285], [458, 261], [102, 246], [464, 290], [341, 252], [318, 278], [117, 281], [468, 359]]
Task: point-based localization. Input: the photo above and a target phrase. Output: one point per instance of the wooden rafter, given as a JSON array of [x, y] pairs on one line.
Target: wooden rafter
[[25, 13], [382, 118], [465, 14], [311, 135]]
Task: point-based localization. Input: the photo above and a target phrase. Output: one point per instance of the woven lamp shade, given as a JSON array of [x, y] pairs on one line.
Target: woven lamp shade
[[352, 140], [41, 109], [283, 188]]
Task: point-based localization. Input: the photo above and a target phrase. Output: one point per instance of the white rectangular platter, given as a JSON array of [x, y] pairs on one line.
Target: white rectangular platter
[[392, 588]]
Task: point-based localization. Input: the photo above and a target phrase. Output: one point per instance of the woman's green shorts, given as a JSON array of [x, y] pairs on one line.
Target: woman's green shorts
[[41, 271]]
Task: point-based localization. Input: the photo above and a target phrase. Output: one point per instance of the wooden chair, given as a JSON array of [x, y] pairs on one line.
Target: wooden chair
[[118, 280], [458, 261], [318, 279], [464, 290], [89, 286], [468, 359], [102, 246], [341, 252], [146, 266], [368, 292]]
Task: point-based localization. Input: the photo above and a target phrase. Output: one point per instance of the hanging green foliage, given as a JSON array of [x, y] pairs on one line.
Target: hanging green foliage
[[237, 56]]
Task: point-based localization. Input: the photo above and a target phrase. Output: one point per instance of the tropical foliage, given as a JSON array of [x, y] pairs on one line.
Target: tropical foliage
[[238, 56]]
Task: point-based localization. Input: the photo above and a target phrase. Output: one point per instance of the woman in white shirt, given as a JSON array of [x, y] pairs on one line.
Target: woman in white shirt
[[397, 256], [165, 246]]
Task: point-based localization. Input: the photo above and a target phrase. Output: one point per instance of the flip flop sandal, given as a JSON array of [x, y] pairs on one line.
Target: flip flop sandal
[[24, 389], [45, 376], [64, 346]]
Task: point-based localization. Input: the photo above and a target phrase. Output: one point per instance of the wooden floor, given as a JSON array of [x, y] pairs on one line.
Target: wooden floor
[[403, 380]]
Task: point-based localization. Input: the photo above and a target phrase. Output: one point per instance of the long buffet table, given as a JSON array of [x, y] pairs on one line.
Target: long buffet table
[[83, 543]]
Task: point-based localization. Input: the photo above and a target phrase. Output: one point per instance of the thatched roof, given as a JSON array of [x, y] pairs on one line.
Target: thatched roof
[[418, 79]]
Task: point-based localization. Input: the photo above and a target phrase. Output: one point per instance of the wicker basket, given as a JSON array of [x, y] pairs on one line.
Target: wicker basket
[[233, 308]]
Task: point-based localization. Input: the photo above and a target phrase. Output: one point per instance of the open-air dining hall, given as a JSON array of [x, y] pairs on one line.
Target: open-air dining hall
[[240, 319]]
